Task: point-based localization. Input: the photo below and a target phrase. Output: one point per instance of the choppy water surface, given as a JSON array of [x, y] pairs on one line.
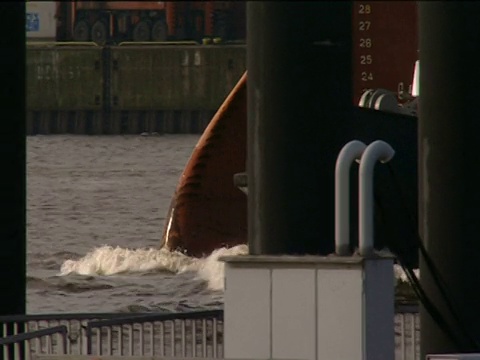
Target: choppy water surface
[[96, 207]]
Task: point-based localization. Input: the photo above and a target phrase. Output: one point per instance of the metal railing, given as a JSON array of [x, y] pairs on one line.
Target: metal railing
[[192, 334], [76, 339], [407, 333], [187, 335], [140, 43], [61, 43], [45, 343]]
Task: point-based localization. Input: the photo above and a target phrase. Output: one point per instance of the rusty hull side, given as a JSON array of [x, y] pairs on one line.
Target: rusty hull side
[[385, 45], [207, 210]]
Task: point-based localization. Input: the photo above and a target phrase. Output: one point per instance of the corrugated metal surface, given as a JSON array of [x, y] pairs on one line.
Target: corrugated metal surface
[[384, 45], [131, 77], [62, 78], [40, 21], [180, 77]]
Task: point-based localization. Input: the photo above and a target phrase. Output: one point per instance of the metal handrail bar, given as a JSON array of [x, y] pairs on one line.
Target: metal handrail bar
[[62, 316], [12, 339], [192, 315]]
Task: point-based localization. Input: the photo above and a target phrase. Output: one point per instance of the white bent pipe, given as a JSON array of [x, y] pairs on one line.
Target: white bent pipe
[[350, 152], [377, 151]]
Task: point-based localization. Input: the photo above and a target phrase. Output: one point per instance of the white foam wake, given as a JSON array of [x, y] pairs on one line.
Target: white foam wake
[[400, 274], [108, 260]]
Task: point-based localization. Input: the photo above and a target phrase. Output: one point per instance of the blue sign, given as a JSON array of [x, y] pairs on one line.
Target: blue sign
[[32, 22]]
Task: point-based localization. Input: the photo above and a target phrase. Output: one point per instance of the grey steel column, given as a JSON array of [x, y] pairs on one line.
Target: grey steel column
[[449, 169], [299, 92]]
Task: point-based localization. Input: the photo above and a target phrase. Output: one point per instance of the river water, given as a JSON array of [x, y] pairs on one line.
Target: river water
[[95, 212], [96, 207]]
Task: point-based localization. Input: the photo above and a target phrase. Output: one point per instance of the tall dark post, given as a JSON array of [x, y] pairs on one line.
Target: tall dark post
[[299, 88], [12, 160], [449, 171]]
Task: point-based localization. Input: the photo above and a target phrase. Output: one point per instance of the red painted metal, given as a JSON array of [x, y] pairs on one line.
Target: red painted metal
[[209, 12], [171, 17], [385, 44]]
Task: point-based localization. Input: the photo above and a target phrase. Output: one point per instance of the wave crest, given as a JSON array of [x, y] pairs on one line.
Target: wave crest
[[108, 260]]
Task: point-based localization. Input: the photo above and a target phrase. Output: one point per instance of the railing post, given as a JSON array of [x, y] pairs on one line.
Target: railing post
[[88, 334], [64, 341]]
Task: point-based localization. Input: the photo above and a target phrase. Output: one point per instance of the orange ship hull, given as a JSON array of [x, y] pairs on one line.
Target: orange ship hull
[[207, 210]]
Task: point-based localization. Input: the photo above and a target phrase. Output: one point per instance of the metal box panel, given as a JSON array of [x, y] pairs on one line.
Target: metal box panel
[[40, 21], [339, 313], [64, 78], [379, 300], [247, 313], [293, 313], [172, 78], [309, 307]]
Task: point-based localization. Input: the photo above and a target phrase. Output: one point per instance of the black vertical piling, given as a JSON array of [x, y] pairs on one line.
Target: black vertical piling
[[299, 90], [449, 173], [12, 154]]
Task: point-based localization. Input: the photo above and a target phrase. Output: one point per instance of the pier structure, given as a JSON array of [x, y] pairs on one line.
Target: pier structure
[[281, 302]]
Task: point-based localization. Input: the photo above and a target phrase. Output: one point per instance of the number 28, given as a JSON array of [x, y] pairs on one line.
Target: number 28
[[364, 9]]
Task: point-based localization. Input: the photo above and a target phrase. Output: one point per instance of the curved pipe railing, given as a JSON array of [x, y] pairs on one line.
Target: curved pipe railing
[[377, 151], [350, 152]]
